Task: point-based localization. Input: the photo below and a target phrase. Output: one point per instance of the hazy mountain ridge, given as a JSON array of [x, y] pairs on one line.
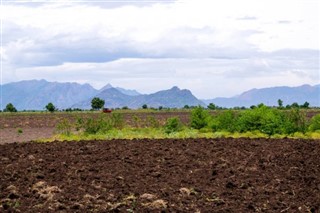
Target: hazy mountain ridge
[[270, 96], [173, 97], [35, 94]]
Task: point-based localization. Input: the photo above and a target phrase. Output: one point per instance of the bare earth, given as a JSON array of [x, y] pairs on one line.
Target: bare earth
[[10, 135]]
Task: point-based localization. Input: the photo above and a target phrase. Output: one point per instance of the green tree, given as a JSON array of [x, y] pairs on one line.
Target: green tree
[[295, 105], [212, 106], [305, 105], [144, 106], [50, 107], [97, 103], [280, 104], [10, 108]]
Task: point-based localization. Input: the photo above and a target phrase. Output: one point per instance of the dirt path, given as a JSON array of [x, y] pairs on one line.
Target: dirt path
[[11, 135], [193, 175]]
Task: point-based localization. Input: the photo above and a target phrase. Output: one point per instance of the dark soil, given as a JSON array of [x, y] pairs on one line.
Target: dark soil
[[192, 175]]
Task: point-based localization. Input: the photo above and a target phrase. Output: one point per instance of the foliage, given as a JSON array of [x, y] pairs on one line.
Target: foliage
[[152, 122], [224, 121], [94, 126], [117, 120], [199, 118], [10, 108], [97, 103], [261, 121], [19, 131], [262, 118], [315, 123], [50, 107], [73, 110], [295, 121], [136, 121], [212, 106], [64, 127], [305, 105], [280, 104], [173, 125], [144, 106]]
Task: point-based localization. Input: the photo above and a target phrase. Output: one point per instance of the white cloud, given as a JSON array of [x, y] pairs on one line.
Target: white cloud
[[206, 77], [198, 44]]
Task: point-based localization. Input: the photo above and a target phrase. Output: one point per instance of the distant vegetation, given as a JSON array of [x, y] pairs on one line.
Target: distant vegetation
[[97, 103], [259, 121], [10, 108], [50, 107]]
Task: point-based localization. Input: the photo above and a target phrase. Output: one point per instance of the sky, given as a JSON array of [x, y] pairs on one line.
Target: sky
[[214, 48]]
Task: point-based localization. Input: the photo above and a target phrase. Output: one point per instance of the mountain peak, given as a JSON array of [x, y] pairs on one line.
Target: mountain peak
[[175, 88], [108, 86]]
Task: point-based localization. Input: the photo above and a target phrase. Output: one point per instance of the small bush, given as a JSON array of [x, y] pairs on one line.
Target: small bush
[[173, 125], [261, 118], [100, 125], [137, 123], [295, 121], [64, 127], [315, 123], [152, 122], [225, 121], [117, 120], [199, 118]]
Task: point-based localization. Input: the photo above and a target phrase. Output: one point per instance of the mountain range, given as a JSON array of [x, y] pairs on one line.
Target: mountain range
[[35, 94], [270, 96]]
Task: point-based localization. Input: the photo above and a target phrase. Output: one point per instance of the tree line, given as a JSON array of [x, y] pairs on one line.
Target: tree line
[[97, 104]]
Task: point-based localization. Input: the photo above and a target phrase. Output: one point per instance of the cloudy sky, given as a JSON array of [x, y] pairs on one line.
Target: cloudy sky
[[214, 48]]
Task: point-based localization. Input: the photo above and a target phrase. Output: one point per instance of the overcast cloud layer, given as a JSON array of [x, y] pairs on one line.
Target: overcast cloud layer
[[213, 48]]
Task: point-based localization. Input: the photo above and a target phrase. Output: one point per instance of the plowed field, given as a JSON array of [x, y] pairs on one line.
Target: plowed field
[[192, 175]]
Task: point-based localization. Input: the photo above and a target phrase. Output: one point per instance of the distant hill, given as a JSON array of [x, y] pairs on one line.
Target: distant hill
[[124, 91], [270, 96], [36, 94], [173, 97]]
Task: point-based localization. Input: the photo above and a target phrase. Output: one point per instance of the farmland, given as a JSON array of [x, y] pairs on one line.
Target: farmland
[[220, 174]]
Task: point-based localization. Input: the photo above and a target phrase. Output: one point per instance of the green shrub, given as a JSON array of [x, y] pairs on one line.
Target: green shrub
[[20, 131], [262, 118], [295, 121], [315, 123], [200, 118], [152, 122], [100, 125], [225, 121], [64, 127], [172, 125], [117, 120], [136, 121]]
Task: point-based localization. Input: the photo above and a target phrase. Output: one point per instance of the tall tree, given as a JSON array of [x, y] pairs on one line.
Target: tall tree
[[10, 108], [50, 107], [97, 103], [280, 104]]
